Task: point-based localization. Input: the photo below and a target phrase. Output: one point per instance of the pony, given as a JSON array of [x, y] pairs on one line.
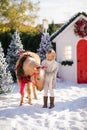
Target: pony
[[29, 72]]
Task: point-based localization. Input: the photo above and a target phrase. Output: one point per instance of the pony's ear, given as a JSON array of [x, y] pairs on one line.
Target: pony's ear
[[21, 52]]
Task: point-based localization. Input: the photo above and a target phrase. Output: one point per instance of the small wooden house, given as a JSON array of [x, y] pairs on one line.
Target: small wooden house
[[71, 49]]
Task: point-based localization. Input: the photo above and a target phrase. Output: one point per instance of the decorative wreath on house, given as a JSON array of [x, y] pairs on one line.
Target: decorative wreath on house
[[80, 28]]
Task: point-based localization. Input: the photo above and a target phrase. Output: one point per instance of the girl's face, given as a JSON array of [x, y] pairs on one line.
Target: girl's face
[[49, 56]]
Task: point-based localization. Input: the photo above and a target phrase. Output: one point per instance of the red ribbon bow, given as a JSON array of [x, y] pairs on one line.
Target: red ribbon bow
[[41, 67]]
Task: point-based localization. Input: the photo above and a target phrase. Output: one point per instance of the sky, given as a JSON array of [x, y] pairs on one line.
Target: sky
[[69, 113], [60, 11]]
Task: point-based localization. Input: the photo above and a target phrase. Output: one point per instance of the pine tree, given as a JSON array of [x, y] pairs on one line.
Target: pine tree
[[5, 76], [45, 45], [12, 53], [52, 28]]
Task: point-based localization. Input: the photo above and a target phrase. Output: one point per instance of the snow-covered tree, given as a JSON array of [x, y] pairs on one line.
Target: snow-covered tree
[[12, 53], [45, 45], [5, 75]]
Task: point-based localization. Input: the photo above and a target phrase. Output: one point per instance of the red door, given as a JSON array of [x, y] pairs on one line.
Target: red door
[[82, 61]]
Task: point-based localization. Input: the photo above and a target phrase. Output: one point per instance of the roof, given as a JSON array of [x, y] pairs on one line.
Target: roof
[[66, 24]]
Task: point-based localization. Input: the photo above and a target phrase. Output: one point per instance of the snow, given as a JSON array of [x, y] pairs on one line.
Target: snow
[[69, 113]]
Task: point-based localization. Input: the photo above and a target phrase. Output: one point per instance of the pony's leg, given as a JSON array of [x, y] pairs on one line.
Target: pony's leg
[[34, 91], [29, 85], [21, 101], [19, 83], [22, 97]]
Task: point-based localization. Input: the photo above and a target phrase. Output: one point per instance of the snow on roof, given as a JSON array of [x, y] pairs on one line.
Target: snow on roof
[[66, 24]]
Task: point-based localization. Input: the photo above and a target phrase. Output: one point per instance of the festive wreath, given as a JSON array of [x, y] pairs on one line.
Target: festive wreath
[[80, 28]]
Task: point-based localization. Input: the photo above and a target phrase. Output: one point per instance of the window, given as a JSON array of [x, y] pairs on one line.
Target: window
[[67, 52]]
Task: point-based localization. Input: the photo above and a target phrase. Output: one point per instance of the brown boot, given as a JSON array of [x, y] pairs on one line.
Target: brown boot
[[51, 102], [45, 101]]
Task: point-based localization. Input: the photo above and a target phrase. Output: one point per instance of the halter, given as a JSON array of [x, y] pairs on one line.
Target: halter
[[34, 75]]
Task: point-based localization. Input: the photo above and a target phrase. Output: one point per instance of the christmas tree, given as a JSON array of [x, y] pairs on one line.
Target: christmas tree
[[45, 45], [5, 76], [12, 53]]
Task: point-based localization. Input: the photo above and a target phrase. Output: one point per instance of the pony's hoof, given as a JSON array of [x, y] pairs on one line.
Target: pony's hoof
[[20, 104], [35, 98], [30, 103]]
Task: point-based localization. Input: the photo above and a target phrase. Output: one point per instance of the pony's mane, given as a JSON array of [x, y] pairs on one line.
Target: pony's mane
[[20, 71]]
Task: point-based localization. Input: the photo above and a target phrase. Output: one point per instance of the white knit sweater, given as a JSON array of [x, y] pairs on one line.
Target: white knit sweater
[[51, 71]]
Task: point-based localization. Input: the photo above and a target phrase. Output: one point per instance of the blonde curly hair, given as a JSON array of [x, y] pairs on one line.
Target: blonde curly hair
[[51, 54]]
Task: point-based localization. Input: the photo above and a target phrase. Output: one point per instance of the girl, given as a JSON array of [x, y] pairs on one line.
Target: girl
[[51, 69]]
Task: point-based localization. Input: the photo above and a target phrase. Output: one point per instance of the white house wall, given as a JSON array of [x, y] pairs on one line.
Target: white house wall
[[67, 37]]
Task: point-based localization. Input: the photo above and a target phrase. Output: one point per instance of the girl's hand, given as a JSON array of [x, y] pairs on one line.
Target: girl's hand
[[44, 67], [41, 67]]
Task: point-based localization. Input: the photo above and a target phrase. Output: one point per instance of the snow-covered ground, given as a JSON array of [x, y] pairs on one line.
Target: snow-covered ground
[[69, 113]]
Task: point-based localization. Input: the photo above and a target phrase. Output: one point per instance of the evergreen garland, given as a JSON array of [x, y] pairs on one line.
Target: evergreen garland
[[67, 62], [66, 24]]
